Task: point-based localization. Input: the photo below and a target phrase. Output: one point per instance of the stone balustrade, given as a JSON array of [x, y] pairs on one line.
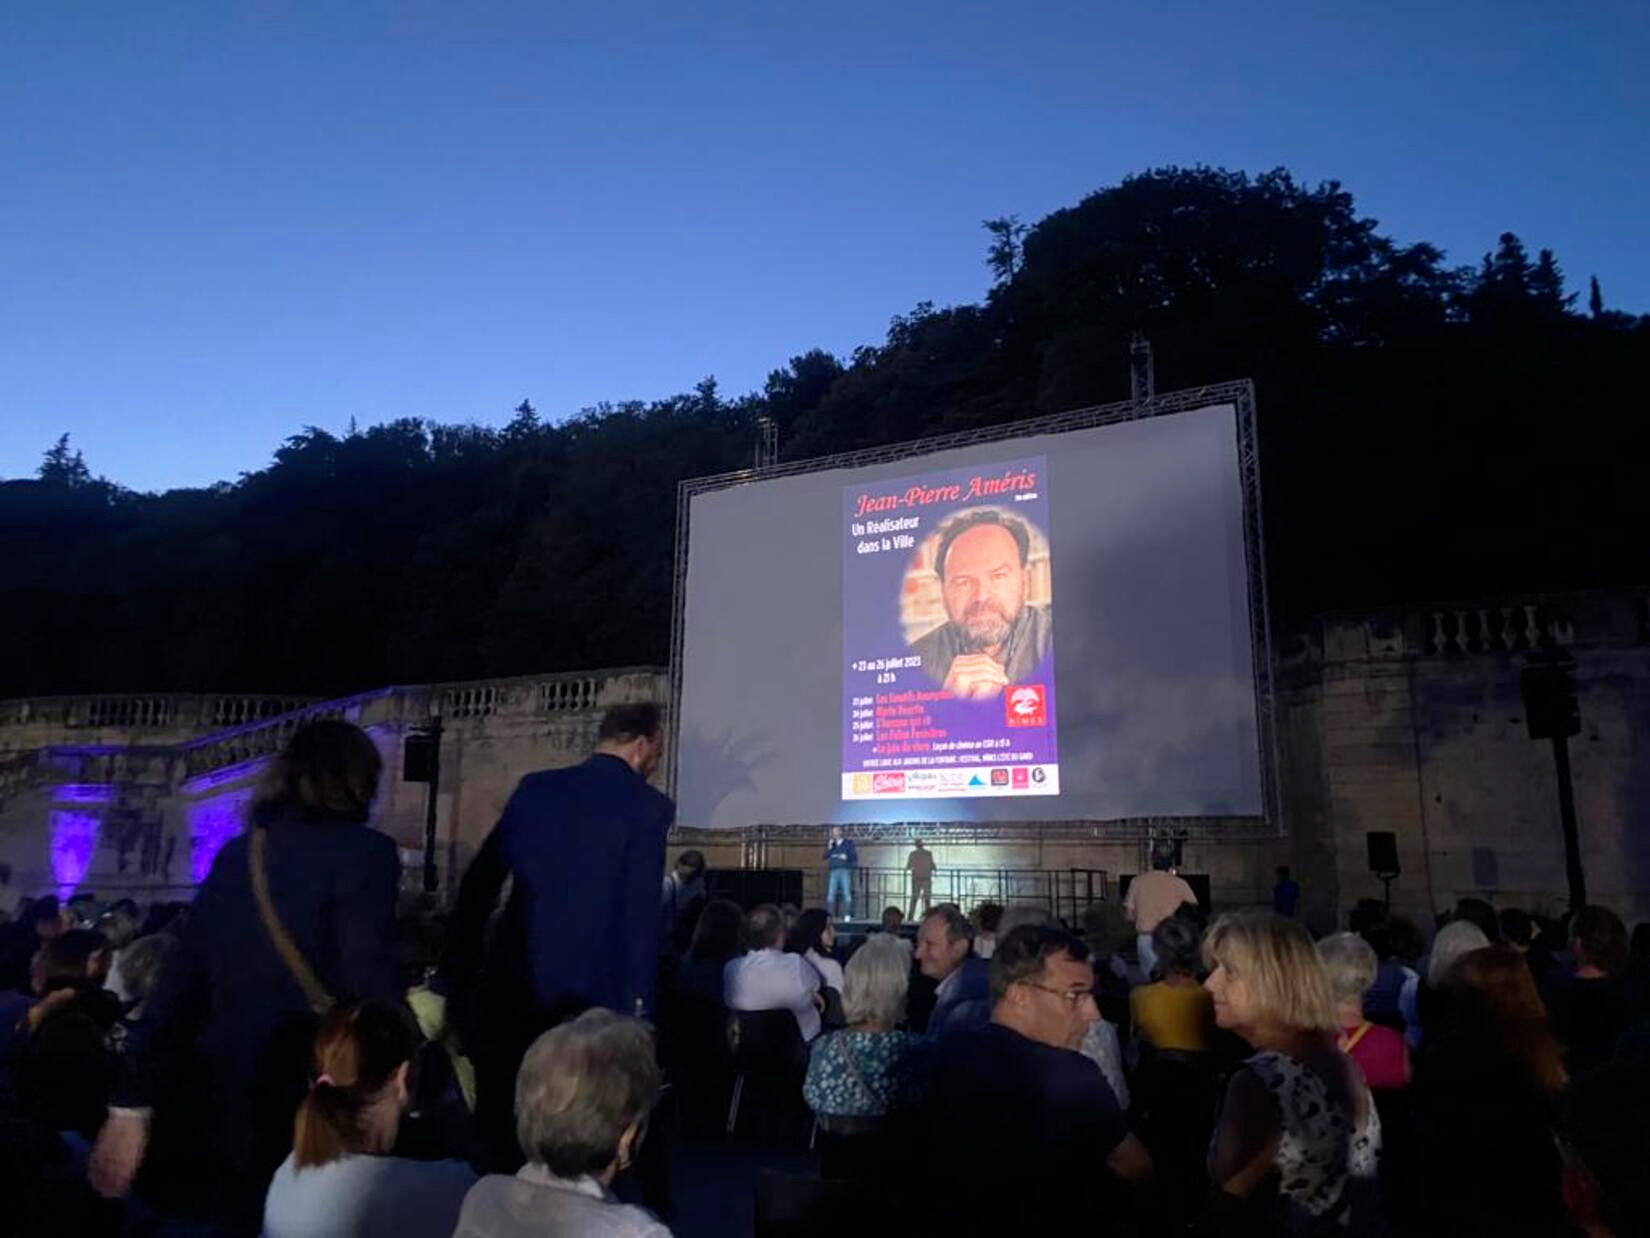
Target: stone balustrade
[[33, 722]]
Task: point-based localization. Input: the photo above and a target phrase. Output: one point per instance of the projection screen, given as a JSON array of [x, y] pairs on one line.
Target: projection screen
[[1059, 620]]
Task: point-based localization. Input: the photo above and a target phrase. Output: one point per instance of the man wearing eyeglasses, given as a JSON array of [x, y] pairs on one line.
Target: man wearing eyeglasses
[[1053, 1118]]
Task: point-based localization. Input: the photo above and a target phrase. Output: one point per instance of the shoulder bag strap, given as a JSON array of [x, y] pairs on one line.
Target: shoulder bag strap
[[320, 1001]]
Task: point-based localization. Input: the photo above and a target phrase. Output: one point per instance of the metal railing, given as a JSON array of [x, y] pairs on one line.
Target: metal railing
[[1065, 893]]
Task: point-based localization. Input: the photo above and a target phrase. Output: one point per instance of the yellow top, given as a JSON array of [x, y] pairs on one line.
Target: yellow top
[[1173, 1016]]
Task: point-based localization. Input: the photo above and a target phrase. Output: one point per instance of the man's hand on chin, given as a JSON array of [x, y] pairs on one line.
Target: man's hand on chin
[[976, 677]]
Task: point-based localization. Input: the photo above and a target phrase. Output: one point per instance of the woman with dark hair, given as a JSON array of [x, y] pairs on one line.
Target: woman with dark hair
[[814, 937], [1593, 1007], [297, 912], [1486, 1094], [340, 1180], [717, 938]]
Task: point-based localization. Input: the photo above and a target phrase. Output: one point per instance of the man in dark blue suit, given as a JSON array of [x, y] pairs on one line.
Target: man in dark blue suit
[[584, 848]]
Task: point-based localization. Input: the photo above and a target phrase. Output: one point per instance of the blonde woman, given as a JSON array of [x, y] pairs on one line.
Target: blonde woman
[[1298, 1141]]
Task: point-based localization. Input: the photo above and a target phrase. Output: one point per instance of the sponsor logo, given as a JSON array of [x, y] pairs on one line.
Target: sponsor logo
[[862, 784], [999, 777], [1039, 774], [921, 780], [976, 781], [1022, 777], [885, 784], [1026, 705], [953, 778]]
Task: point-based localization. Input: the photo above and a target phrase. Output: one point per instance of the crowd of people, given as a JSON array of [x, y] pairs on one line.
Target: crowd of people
[[287, 1055]]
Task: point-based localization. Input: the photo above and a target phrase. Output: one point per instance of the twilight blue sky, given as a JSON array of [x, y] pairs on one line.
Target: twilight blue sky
[[222, 221]]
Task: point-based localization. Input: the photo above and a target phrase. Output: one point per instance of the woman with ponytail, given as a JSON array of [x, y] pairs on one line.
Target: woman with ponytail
[[340, 1180]]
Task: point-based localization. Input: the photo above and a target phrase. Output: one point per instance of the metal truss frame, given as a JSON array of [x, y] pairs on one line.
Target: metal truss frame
[[1241, 395]]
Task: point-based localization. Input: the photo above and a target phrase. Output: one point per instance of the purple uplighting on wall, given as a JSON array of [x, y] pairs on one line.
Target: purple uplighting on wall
[[74, 838], [83, 793], [212, 823]]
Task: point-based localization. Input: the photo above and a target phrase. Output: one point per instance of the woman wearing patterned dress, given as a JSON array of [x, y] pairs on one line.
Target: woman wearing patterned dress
[[1297, 1146], [870, 1069]]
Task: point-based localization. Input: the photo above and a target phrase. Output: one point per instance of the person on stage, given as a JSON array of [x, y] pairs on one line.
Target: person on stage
[[585, 847], [991, 637], [842, 857], [920, 864]]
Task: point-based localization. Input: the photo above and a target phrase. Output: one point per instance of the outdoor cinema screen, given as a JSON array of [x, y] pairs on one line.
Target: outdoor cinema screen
[[1049, 627]]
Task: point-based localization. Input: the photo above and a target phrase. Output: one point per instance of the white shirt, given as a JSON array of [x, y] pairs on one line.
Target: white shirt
[[360, 1196], [773, 980], [829, 969]]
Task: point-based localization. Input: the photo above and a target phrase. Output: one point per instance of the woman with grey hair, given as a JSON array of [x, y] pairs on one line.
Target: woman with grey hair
[[1380, 1052], [870, 1069], [582, 1099]]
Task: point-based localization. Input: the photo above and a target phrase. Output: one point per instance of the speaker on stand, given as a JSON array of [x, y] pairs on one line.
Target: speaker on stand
[[1383, 860]]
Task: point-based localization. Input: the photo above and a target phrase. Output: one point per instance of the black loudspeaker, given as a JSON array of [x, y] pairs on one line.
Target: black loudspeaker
[[417, 757], [751, 887], [1383, 853]]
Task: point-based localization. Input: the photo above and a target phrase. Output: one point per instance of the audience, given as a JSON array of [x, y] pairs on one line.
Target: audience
[[1297, 1145], [1349, 961], [766, 978], [814, 938], [717, 938], [681, 900], [987, 916], [1455, 940], [21, 939], [67, 1067], [1152, 898], [340, 1180], [295, 912], [582, 1100], [203, 1038], [1487, 1087], [1174, 1014], [1054, 1119], [871, 1069], [893, 920], [1591, 1008], [1606, 1147], [945, 954]]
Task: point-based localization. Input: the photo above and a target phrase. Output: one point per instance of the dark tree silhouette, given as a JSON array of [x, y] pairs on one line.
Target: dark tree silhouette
[[1427, 431]]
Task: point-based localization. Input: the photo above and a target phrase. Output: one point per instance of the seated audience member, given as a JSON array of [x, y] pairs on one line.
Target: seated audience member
[[1454, 941], [139, 970], [945, 954], [1379, 1051], [1102, 1046], [340, 1180], [1016, 915], [814, 937], [767, 978], [582, 1101], [681, 900], [1592, 1008], [1605, 1137], [119, 926], [1477, 911], [21, 940], [870, 1069], [67, 1068], [893, 920], [1054, 1119], [1391, 973], [987, 916], [1486, 1092], [1517, 929], [1174, 1014], [1297, 1144], [717, 937]]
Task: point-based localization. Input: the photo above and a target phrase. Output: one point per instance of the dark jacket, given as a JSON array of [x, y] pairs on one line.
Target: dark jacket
[[585, 847], [222, 1050], [67, 1068], [967, 1003], [842, 854]]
